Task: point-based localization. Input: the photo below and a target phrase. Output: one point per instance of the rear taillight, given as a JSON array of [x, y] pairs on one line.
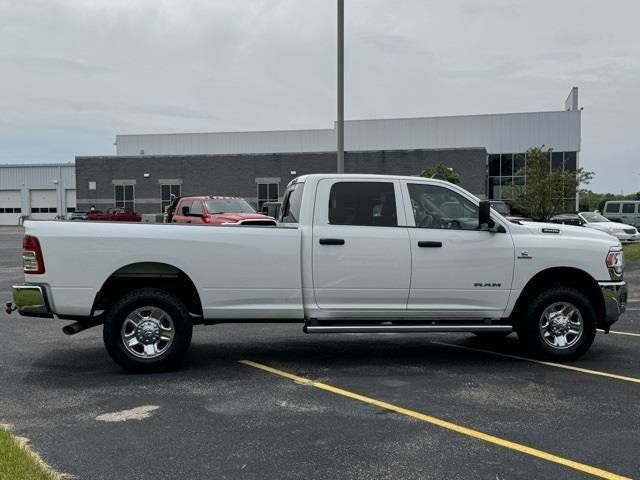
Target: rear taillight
[[32, 260]]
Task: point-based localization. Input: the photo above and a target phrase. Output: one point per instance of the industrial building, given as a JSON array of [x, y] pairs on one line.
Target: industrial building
[[486, 150], [39, 191]]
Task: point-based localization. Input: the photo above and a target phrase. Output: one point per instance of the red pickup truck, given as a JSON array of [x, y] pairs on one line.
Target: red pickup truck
[[118, 214], [216, 210]]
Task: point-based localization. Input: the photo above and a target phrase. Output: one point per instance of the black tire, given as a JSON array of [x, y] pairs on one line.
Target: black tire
[[530, 330], [170, 352]]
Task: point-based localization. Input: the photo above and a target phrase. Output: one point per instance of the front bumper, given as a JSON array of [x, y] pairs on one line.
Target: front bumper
[[615, 300], [31, 301]]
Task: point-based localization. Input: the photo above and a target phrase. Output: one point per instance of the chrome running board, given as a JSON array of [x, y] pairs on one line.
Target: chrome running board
[[405, 328]]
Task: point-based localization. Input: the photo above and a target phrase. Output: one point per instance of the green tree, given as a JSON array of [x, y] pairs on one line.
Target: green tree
[[442, 172], [546, 190]]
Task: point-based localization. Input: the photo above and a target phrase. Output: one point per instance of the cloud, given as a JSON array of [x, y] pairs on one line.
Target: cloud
[[76, 73], [52, 64]]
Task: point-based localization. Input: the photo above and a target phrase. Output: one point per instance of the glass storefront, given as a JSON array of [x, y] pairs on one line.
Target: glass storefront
[[510, 168]]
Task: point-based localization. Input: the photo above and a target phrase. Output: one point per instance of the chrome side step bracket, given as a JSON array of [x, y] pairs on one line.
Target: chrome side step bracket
[[386, 328]]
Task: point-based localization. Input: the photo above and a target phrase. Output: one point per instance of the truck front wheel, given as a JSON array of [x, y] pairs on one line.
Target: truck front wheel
[[559, 323], [147, 330]]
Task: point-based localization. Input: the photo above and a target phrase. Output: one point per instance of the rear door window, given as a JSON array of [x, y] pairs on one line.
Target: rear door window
[[363, 203], [292, 203], [613, 208], [628, 208], [184, 203]]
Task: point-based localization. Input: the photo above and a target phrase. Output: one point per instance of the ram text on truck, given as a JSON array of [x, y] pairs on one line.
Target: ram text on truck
[[351, 253]]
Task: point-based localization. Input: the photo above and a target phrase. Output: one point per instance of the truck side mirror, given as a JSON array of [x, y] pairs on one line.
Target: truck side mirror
[[484, 215], [185, 211]]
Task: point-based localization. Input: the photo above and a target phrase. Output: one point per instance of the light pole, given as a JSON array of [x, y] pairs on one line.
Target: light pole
[[340, 123]]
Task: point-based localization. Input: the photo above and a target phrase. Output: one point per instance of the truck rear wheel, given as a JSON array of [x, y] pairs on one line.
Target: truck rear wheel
[[147, 330], [559, 323]]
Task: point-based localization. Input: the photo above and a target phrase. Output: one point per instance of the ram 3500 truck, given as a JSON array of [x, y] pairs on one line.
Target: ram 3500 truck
[[350, 253]]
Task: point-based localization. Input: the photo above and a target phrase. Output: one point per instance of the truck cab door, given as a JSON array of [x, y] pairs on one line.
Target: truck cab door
[[360, 247], [458, 270], [179, 213]]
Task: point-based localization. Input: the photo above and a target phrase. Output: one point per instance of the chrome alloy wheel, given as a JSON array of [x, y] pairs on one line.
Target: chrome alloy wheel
[[561, 325], [147, 332]]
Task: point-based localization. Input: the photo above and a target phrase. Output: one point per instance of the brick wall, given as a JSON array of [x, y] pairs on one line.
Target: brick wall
[[237, 174]]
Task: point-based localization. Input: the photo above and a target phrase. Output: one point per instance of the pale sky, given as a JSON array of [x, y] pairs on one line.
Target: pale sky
[[74, 73]]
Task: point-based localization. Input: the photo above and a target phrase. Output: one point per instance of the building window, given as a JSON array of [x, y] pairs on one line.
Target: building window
[[510, 169], [494, 165], [71, 209], [168, 192], [267, 192], [570, 161], [519, 164], [506, 165], [556, 160], [92, 185], [124, 196], [44, 210]]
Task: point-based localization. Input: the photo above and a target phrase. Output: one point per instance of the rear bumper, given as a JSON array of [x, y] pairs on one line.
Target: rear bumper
[[31, 301], [615, 301]]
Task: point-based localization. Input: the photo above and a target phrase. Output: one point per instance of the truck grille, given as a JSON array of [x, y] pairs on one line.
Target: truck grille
[[629, 231]]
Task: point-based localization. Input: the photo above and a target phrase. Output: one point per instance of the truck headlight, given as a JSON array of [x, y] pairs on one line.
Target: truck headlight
[[615, 261]]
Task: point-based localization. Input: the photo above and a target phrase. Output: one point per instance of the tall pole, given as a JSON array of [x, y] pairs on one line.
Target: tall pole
[[340, 125]]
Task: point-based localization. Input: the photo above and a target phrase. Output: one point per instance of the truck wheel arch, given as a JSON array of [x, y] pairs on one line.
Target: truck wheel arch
[[148, 275], [560, 276]]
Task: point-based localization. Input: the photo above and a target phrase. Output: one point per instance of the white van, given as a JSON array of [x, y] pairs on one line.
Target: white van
[[625, 211]]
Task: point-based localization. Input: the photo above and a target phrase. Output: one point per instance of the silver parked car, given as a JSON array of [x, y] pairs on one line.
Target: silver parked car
[[623, 232]]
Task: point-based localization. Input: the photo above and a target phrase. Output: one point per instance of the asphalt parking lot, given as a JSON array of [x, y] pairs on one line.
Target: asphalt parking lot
[[387, 406]]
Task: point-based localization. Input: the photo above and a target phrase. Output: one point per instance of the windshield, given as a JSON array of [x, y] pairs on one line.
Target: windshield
[[228, 205], [591, 217]]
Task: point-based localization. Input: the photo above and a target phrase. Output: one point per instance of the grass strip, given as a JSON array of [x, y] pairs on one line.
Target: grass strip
[[18, 461], [632, 252]]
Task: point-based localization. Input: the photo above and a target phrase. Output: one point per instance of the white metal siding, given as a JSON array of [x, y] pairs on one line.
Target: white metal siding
[[499, 133], [37, 176], [56, 179]]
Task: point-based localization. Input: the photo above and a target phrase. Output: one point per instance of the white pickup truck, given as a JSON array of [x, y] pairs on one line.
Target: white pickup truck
[[350, 253]]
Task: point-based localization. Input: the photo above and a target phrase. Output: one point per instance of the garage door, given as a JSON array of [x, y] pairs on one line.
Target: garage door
[[70, 200], [43, 204], [9, 207]]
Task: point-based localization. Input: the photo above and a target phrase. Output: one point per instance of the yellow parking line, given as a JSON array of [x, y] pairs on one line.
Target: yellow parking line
[[542, 362], [442, 423], [622, 333]]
